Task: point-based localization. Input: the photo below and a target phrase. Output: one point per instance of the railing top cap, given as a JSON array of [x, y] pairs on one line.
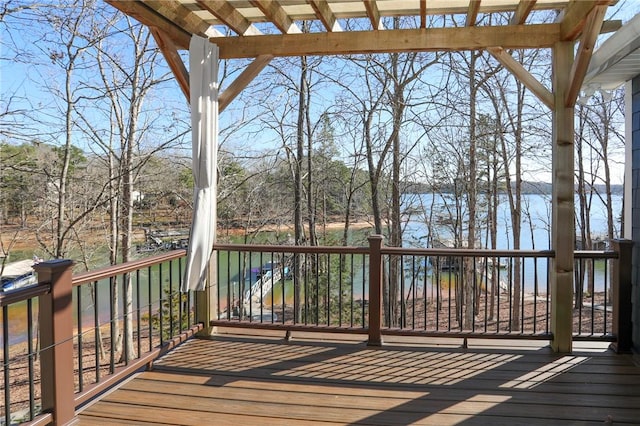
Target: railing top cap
[[53, 264]]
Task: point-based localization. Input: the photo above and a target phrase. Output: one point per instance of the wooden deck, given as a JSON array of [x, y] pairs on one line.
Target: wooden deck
[[249, 380]]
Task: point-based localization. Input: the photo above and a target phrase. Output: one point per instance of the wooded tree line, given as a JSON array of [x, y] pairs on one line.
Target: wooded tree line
[[102, 133]]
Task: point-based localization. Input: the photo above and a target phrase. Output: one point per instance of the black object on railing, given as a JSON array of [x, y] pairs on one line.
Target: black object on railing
[[621, 295]]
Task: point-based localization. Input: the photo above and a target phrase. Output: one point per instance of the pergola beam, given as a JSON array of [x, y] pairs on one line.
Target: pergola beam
[[276, 14], [242, 81], [373, 13], [326, 16], [523, 75], [472, 13], [573, 19], [230, 16], [423, 13], [176, 12], [585, 51], [522, 12], [150, 18], [171, 55], [414, 40]]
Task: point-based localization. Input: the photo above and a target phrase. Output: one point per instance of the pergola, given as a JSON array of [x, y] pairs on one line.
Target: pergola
[[264, 29]]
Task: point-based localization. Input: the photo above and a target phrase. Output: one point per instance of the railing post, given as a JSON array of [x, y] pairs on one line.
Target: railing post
[[375, 291], [621, 296], [56, 340]]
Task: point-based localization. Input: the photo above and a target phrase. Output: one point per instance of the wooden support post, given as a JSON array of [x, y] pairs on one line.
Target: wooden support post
[[56, 340], [375, 291], [207, 299], [562, 224], [621, 296]]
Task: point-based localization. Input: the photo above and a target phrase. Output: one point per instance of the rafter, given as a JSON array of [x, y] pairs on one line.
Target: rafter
[[523, 75], [522, 12], [429, 39], [276, 14], [573, 19], [243, 81], [590, 33], [611, 26], [170, 53], [373, 13], [326, 16], [181, 15], [152, 19], [423, 13], [230, 16], [472, 12]]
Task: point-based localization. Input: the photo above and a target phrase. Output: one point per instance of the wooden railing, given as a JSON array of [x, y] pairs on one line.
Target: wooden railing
[[378, 290], [70, 351], [82, 334]]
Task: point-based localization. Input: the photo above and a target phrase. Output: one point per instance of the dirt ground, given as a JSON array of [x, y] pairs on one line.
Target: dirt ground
[[14, 238]]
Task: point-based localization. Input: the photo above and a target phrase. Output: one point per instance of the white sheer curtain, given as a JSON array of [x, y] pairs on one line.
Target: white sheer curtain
[[203, 81]]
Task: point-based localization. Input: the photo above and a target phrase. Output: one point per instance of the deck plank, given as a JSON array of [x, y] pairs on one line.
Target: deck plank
[[268, 381], [245, 389]]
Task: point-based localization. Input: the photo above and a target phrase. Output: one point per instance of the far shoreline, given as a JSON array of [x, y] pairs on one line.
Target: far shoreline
[[282, 228]]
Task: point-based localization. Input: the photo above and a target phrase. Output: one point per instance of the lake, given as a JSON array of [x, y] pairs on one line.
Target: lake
[[536, 221], [535, 232]]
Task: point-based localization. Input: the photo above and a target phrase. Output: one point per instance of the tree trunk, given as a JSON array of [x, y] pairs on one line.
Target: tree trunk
[[299, 233], [395, 237], [583, 206], [468, 285]]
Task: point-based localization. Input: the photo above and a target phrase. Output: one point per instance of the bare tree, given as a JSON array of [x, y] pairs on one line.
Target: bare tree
[[134, 134], [381, 102], [510, 101], [597, 140], [63, 51]]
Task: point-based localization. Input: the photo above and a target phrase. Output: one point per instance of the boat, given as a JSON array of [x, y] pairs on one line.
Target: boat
[[18, 274], [154, 242]]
